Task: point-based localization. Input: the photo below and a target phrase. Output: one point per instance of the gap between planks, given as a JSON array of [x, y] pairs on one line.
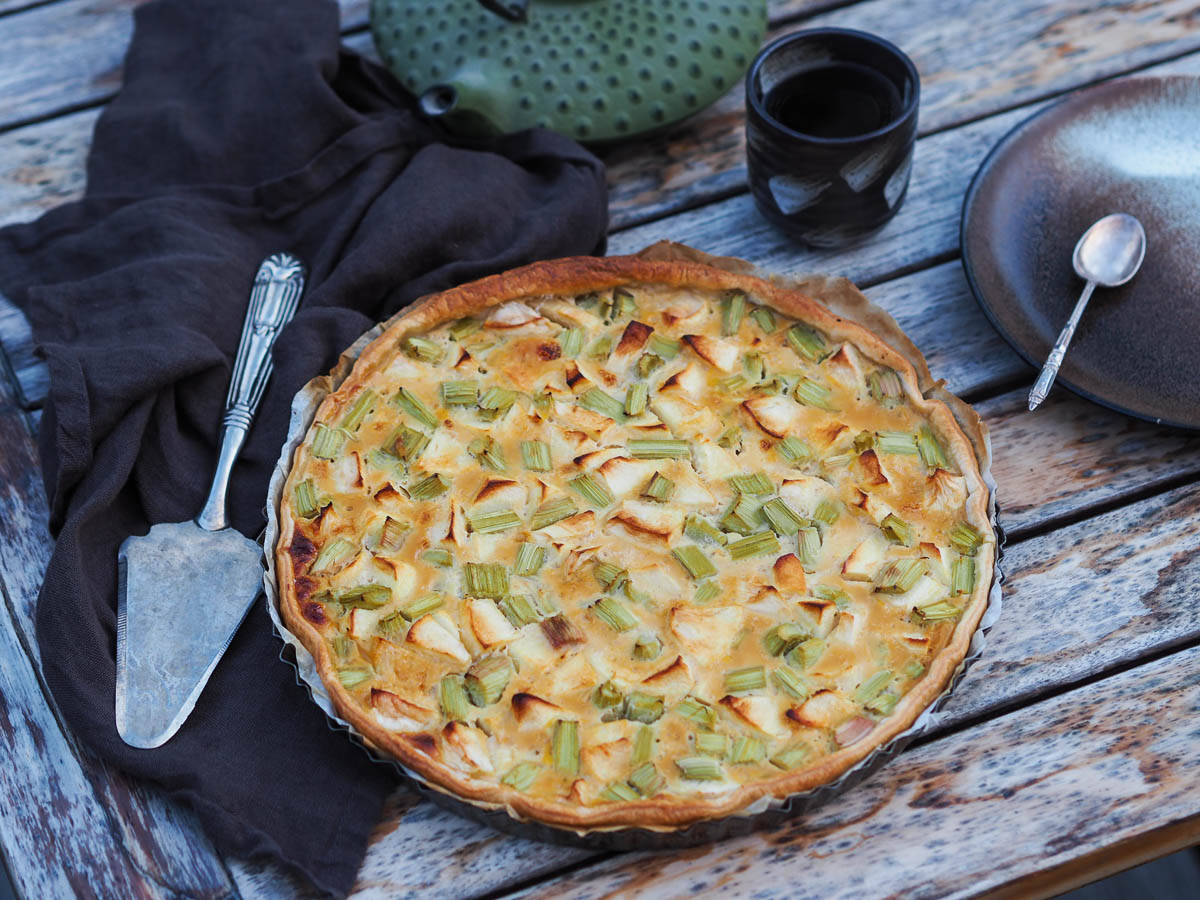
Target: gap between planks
[[926, 226], [924, 232], [975, 60], [972, 812], [87, 40], [71, 826], [702, 158], [1126, 563]]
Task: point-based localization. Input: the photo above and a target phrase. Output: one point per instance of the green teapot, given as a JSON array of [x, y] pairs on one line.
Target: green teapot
[[596, 70]]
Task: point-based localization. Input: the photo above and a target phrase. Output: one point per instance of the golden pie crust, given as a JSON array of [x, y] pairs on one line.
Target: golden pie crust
[[385, 670]]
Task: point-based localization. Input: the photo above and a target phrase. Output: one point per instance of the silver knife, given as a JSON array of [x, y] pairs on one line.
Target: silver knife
[[184, 588]]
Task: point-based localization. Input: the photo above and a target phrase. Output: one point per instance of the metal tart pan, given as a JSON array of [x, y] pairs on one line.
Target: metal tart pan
[[768, 812]]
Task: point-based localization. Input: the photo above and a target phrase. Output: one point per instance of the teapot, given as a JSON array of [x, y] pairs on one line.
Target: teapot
[[596, 70]]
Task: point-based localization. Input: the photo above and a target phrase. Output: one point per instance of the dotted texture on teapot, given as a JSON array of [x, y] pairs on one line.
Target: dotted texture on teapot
[[596, 70]]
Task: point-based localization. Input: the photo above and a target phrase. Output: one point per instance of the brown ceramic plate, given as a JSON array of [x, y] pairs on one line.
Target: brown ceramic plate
[[1127, 146]]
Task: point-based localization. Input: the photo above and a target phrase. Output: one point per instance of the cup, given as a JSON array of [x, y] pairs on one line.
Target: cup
[[831, 119]]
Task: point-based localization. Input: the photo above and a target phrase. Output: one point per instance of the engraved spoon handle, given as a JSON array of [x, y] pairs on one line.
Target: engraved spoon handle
[[1049, 372], [273, 301]]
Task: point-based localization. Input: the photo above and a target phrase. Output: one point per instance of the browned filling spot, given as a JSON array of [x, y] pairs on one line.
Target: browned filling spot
[[301, 550]]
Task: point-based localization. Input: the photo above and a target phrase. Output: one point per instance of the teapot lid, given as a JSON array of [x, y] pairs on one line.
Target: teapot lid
[[596, 70]]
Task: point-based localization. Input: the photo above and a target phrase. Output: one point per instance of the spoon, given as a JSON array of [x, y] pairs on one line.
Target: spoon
[[1108, 254]]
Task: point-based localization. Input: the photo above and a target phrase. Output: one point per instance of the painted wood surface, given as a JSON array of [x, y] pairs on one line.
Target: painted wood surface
[[1089, 596], [42, 165], [67, 55], [1076, 458], [974, 811], [975, 59], [1136, 571], [68, 825], [11, 6], [49, 157], [63, 56], [926, 228]]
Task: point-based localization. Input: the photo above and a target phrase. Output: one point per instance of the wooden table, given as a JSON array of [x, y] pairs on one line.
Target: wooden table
[[1071, 751]]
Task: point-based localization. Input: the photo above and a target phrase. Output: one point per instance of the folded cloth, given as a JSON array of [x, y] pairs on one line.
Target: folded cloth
[[241, 130]]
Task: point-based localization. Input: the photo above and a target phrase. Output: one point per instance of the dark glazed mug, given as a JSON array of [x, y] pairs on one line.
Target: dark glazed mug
[[831, 118]]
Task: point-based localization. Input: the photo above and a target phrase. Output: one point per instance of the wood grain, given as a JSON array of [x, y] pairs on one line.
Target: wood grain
[[976, 811], [66, 55], [1076, 457], [69, 826], [1133, 570], [935, 308], [43, 165], [926, 227], [29, 375], [421, 850], [63, 56], [1137, 570], [8, 7], [703, 158], [975, 58]]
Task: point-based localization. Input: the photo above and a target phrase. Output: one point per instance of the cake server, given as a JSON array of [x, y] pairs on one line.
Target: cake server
[[184, 588]]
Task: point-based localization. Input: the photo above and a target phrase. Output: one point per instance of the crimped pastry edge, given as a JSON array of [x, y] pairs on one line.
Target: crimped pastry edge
[[662, 263]]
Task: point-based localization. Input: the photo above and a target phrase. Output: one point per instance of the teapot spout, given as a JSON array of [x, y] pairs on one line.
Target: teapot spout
[[438, 101], [461, 109]]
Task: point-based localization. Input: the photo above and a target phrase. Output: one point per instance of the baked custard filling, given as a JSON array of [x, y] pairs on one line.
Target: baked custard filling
[[645, 545]]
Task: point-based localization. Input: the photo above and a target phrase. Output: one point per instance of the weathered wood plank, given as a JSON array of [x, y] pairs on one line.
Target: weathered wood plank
[[1077, 456], [935, 308], [62, 56], [1137, 569], [925, 228], [29, 374], [703, 158], [11, 6], [975, 59], [1090, 597], [43, 165], [976, 811], [69, 826], [66, 55], [25, 541], [420, 850], [56, 835]]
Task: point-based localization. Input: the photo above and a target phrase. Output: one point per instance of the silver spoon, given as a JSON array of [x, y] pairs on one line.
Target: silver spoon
[[1108, 254]]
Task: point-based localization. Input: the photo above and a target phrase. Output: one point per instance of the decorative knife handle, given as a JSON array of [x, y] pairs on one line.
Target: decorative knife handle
[[273, 301]]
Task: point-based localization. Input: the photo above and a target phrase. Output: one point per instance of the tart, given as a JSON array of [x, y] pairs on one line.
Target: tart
[[632, 542]]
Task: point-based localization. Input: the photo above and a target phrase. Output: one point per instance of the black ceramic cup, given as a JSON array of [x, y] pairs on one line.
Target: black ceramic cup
[[831, 118]]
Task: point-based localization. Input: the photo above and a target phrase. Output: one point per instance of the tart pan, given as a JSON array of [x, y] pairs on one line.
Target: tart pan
[[844, 299]]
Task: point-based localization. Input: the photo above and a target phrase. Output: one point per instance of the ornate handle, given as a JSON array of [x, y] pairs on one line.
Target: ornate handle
[[1045, 380], [273, 301]]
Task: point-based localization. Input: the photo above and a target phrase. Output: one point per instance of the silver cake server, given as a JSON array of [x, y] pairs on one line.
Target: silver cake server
[[184, 588]]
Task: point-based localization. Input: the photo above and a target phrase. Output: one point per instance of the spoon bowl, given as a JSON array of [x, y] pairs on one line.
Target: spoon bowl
[[1111, 251]]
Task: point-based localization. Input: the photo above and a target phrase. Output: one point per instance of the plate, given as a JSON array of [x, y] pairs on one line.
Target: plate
[[1126, 146]]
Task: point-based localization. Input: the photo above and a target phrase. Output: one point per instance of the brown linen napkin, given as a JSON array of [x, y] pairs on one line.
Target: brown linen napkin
[[241, 130]]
